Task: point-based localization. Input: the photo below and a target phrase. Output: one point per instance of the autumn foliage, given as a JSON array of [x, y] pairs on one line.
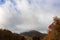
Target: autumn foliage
[[54, 30]]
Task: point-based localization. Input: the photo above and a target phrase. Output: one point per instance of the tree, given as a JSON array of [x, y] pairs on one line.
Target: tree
[[35, 37], [54, 34]]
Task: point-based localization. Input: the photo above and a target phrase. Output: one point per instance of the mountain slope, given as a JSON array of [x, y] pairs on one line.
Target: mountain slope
[[32, 33]]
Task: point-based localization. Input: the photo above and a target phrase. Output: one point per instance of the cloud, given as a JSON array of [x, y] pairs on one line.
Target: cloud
[[24, 15]]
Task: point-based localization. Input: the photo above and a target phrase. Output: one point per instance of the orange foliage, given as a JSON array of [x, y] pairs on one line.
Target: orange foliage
[[54, 34]]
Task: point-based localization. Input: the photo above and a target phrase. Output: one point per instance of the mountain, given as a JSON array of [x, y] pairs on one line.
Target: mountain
[[32, 33]]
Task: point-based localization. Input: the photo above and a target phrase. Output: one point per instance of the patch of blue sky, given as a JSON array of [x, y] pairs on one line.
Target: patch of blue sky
[[36, 4], [39, 1], [12, 7], [13, 2], [15, 12], [56, 4], [2, 2]]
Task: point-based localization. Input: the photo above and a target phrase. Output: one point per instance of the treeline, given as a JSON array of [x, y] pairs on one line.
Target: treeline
[[8, 35]]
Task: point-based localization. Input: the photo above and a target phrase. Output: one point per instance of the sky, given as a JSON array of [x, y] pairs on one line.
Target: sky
[[25, 15]]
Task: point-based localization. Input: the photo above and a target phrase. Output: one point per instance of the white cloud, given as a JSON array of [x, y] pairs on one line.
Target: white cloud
[[27, 15]]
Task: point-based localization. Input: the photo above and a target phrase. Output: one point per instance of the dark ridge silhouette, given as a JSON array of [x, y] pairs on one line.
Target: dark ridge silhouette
[[8, 35]]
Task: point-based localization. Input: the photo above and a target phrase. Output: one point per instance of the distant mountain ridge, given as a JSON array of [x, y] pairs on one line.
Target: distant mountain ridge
[[32, 33]]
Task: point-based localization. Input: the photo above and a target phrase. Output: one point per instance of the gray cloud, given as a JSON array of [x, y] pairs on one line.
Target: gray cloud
[[22, 15]]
